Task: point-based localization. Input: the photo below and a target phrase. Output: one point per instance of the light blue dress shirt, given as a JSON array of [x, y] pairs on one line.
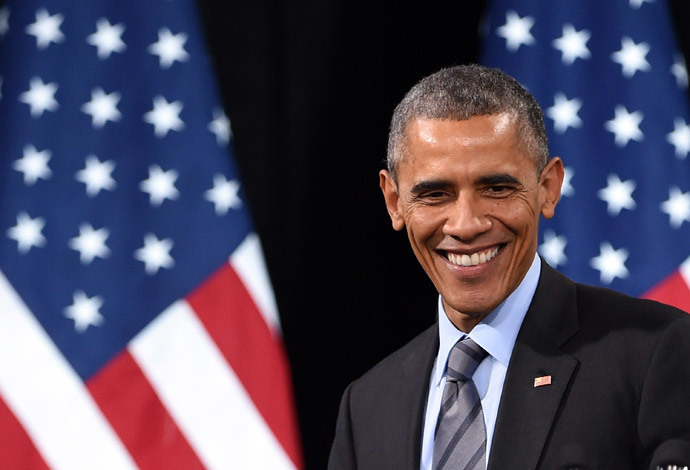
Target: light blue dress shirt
[[496, 333]]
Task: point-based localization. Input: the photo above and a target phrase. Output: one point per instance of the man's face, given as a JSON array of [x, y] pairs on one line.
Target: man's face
[[471, 199]]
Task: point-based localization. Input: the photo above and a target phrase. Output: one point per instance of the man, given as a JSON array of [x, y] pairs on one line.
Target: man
[[525, 369]]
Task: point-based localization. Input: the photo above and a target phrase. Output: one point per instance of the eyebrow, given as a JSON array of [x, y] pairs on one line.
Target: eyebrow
[[498, 178], [429, 185]]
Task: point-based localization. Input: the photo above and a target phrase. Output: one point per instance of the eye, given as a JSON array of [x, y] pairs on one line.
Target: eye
[[498, 190]]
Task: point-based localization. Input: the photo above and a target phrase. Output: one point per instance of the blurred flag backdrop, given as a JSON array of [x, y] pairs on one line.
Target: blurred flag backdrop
[[613, 86], [138, 327]]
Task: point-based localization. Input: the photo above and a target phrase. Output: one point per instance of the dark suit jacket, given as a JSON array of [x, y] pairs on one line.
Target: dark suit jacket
[[619, 398]]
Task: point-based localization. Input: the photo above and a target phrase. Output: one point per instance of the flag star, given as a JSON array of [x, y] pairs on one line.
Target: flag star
[[34, 165], [155, 254], [638, 3], [165, 116], [625, 125], [610, 263], [102, 107], [677, 206], [553, 249], [107, 38], [46, 28], [680, 137], [567, 187], [27, 232], [516, 31], [169, 48], [617, 194], [40, 97], [680, 71], [220, 126], [632, 57], [224, 194], [96, 175], [84, 311], [564, 113], [160, 185], [4, 20], [90, 243], [573, 44]]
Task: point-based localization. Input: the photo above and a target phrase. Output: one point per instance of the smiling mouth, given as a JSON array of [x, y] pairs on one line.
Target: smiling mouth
[[473, 259]]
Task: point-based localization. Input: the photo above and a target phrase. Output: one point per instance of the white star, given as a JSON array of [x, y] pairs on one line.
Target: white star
[[40, 97], [680, 137], [84, 311], [4, 20], [632, 57], [677, 206], [46, 29], [564, 113], [553, 249], [679, 70], [169, 48], [102, 107], [638, 3], [107, 38], [220, 126], [224, 194], [96, 175], [567, 187], [155, 254], [610, 263], [27, 232], [573, 44], [160, 185], [516, 31], [90, 243], [34, 165], [164, 116], [617, 194], [626, 126]]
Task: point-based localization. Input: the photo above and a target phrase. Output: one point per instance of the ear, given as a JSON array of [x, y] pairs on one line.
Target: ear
[[550, 184], [390, 195]]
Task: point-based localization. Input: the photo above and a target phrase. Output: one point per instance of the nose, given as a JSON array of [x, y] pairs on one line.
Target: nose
[[466, 219]]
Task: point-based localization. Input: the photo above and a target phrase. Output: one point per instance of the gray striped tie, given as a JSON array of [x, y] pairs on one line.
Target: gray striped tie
[[460, 440]]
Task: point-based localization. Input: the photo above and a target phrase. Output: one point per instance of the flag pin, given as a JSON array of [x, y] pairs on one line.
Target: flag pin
[[541, 381]]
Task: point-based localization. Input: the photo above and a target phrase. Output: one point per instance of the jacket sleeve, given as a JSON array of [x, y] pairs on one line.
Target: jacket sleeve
[[664, 413], [342, 451]]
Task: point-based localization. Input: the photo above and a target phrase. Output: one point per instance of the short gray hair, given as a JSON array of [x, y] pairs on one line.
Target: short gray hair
[[461, 92]]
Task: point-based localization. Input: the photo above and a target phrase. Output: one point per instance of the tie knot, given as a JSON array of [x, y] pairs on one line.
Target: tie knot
[[464, 359]]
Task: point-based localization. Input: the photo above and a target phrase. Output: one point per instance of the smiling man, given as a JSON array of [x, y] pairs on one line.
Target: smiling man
[[524, 369]]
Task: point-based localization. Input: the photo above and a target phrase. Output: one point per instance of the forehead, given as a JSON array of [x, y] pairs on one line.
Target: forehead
[[477, 141]]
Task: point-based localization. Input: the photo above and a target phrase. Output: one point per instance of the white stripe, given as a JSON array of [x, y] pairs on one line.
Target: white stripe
[[48, 397], [203, 395], [248, 262], [685, 271]]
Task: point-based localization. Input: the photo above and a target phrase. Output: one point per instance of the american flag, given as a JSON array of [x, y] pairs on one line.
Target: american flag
[[138, 327], [612, 83]]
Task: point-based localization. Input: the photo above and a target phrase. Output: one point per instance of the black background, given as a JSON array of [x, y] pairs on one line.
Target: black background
[[309, 88]]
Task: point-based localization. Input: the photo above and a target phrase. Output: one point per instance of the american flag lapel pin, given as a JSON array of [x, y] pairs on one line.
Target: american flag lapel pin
[[542, 381]]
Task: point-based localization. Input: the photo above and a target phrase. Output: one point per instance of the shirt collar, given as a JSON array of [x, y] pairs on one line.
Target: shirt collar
[[496, 333]]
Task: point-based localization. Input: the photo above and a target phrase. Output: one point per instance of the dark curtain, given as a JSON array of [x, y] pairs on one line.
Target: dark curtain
[[309, 89]]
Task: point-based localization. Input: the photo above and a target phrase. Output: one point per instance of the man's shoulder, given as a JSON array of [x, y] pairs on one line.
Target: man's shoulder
[[632, 310], [415, 356]]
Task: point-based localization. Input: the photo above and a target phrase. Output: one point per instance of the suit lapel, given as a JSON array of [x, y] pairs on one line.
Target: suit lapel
[[416, 371], [527, 412]]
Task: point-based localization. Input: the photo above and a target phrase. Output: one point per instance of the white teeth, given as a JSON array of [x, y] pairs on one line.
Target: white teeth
[[474, 259]]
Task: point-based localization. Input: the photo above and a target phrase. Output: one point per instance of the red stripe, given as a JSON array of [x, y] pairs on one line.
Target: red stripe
[[16, 448], [673, 291], [136, 413], [234, 322]]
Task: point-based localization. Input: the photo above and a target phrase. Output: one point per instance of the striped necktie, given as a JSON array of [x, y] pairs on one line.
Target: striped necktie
[[460, 440]]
